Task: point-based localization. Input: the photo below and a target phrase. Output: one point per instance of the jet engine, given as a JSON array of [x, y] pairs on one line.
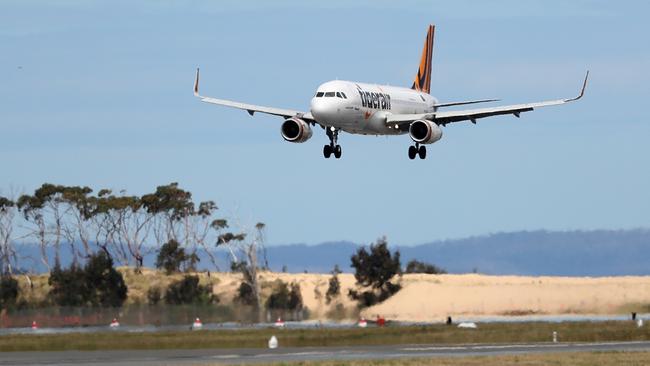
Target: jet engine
[[425, 132], [296, 130]]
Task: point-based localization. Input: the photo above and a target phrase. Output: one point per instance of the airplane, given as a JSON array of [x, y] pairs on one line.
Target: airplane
[[371, 109]]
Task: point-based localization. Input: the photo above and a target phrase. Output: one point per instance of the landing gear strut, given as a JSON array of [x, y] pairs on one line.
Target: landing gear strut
[[417, 150], [333, 147]]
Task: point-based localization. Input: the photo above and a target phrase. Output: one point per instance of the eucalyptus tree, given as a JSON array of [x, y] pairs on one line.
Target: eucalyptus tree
[[77, 223], [210, 232], [244, 250], [104, 225], [132, 225], [7, 248], [46, 212], [172, 206], [32, 208]]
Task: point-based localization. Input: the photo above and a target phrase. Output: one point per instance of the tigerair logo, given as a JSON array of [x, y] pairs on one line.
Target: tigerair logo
[[422, 80], [374, 100]]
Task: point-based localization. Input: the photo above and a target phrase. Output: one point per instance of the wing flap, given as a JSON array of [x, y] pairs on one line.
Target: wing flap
[[451, 104]]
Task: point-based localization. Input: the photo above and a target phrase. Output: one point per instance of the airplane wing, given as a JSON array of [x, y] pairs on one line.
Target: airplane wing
[[402, 121], [451, 104], [252, 108]]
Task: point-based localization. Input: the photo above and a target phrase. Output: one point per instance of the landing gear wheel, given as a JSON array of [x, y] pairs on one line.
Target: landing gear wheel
[[327, 151], [333, 147], [337, 151], [422, 151], [412, 152]]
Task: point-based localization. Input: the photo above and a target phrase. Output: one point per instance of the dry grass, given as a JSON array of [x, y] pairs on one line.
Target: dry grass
[[138, 284], [558, 359], [255, 338], [34, 293]]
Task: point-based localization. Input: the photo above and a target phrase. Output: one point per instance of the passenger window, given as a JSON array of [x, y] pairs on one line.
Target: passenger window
[[329, 94], [343, 94], [338, 95], [319, 94]]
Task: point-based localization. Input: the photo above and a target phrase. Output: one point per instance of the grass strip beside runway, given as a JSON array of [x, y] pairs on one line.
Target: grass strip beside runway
[[555, 359], [258, 338]]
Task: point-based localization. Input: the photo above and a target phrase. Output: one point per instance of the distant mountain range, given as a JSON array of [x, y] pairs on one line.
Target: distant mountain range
[[553, 253]]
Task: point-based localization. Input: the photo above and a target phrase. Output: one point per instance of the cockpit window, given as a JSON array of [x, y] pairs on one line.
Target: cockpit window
[[329, 94], [343, 94], [319, 94], [338, 94]]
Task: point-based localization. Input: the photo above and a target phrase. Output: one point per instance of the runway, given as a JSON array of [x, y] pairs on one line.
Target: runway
[[257, 355]]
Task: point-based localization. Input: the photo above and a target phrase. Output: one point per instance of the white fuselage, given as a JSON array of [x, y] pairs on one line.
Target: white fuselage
[[362, 108]]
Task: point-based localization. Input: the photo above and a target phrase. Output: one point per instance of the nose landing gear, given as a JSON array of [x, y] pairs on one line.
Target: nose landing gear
[[333, 147], [421, 151]]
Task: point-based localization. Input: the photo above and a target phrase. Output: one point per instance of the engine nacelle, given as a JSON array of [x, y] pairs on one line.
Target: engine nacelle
[[425, 132], [296, 130]]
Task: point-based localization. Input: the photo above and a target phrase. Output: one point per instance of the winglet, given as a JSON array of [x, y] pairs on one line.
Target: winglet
[[196, 83], [582, 91]]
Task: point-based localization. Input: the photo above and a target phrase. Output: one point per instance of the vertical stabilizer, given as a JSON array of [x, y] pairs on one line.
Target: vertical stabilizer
[[422, 80]]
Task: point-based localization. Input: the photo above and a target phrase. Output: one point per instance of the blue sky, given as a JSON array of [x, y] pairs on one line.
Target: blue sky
[[99, 93]]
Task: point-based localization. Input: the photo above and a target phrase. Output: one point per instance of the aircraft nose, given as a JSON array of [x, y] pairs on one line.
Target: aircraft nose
[[321, 110]]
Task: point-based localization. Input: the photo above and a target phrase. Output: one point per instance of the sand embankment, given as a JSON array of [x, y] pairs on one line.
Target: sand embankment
[[428, 298], [432, 298]]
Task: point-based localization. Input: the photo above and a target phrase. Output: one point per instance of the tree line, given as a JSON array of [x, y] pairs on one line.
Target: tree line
[[125, 227], [108, 228]]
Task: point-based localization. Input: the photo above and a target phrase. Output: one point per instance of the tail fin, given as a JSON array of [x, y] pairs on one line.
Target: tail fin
[[422, 80]]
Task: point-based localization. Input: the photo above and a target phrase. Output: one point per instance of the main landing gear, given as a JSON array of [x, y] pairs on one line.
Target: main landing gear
[[417, 150], [333, 147]]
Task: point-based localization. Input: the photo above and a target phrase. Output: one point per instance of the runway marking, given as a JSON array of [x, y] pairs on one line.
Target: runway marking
[[433, 348], [226, 356], [610, 343], [312, 353], [557, 345], [523, 346], [306, 353]]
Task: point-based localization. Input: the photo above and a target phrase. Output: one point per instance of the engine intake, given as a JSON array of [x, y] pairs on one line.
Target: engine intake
[[425, 132], [296, 130]]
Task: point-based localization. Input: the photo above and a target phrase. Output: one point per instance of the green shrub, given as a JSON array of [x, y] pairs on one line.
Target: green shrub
[[154, 295], [170, 257], [107, 286], [245, 295], [189, 291], [374, 271], [8, 291], [285, 297], [97, 284], [415, 266], [68, 287], [295, 297], [334, 288], [279, 298]]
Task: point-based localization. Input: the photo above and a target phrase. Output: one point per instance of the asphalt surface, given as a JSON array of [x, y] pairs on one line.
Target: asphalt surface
[[238, 356]]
